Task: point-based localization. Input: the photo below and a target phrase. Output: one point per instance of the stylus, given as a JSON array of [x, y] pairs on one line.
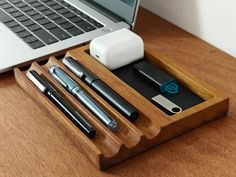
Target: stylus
[[101, 88], [52, 94], [68, 83]]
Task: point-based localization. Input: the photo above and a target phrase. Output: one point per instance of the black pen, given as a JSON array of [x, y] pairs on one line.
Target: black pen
[[68, 83], [101, 88], [51, 93]]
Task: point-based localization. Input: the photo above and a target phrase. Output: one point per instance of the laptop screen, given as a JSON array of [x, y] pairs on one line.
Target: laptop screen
[[123, 8]]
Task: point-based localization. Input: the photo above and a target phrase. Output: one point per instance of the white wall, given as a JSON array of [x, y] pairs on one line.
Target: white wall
[[212, 20]]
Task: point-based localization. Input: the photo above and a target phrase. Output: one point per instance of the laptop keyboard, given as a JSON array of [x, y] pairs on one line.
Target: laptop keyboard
[[44, 22]]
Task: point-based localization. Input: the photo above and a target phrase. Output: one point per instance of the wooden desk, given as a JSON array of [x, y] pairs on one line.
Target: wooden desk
[[31, 145]]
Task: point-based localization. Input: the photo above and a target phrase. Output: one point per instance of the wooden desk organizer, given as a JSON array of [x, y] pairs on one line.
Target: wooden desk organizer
[[153, 126]]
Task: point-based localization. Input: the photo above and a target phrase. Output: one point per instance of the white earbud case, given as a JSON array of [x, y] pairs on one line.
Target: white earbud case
[[117, 49]]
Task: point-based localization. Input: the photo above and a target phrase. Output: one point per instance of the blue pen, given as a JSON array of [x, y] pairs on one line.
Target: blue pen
[[60, 76]]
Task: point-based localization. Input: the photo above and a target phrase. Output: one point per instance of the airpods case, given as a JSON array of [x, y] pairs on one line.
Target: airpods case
[[117, 49]]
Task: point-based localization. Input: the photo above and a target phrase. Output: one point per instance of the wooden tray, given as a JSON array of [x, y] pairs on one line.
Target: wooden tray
[[152, 127]]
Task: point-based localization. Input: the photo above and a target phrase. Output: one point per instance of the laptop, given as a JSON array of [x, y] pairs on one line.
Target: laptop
[[31, 30]]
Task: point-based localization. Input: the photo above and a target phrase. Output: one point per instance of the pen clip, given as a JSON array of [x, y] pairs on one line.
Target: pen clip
[[52, 72], [37, 80], [80, 74], [73, 65], [63, 78]]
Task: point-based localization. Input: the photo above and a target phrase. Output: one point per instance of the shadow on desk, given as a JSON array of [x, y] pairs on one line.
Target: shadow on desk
[[6, 79]]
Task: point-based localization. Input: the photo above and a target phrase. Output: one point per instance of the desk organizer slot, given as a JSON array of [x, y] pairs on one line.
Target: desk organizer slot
[[106, 142], [127, 131], [192, 83], [150, 129]]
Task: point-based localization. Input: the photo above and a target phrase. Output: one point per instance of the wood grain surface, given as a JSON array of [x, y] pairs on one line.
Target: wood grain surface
[[33, 146], [152, 127]]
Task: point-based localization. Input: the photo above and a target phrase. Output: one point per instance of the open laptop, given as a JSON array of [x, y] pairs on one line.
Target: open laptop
[[34, 29]]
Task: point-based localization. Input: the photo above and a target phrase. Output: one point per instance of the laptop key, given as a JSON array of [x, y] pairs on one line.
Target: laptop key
[[67, 25], [37, 17], [11, 24], [56, 7], [32, 12], [75, 31], [16, 14], [85, 26], [18, 29], [77, 12], [22, 18], [24, 34], [95, 23], [60, 1], [2, 2], [43, 21], [47, 12], [72, 8], [45, 36], [11, 10], [50, 26], [42, 8], [65, 4], [54, 16], [15, 1], [34, 27], [25, 8], [28, 23], [62, 11], [50, 3], [6, 6], [59, 33], [36, 44], [21, 4], [30, 1], [84, 16], [98, 25], [4, 17], [75, 19], [36, 4], [30, 39], [60, 21], [90, 20], [69, 15]]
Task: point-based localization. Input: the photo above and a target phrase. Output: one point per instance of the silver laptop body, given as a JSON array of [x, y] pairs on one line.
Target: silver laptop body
[[110, 13]]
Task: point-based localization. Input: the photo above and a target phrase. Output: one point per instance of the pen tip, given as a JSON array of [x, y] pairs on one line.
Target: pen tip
[[92, 133], [113, 125]]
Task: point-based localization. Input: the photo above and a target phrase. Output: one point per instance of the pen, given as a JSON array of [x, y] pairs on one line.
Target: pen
[[51, 93], [65, 80], [101, 88]]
